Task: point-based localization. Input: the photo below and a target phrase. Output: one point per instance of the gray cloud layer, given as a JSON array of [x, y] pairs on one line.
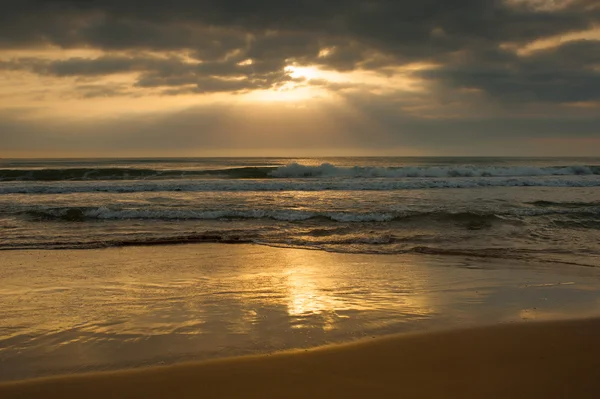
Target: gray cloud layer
[[486, 91], [464, 36]]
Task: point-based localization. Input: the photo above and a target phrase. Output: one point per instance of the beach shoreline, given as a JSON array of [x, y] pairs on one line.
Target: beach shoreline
[[542, 359], [69, 311]]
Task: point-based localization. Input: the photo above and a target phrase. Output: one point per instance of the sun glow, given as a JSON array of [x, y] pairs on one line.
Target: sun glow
[[287, 93], [305, 72], [299, 88]]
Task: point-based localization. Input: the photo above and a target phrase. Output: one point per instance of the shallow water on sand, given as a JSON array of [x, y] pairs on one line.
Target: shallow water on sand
[[72, 311]]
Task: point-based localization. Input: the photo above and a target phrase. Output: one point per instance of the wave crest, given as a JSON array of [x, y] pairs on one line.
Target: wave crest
[[293, 185], [472, 220], [87, 174], [295, 170]]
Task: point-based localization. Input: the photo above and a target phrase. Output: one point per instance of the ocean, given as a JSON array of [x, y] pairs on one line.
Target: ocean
[[528, 209], [109, 264]]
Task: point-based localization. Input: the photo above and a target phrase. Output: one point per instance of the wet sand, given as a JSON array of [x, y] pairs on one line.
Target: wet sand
[[543, 359]]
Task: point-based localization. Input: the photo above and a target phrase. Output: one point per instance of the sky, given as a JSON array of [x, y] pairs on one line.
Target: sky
[[111, 78]]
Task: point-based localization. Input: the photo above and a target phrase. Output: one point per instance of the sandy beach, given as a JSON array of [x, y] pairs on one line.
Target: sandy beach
[[546, 359]]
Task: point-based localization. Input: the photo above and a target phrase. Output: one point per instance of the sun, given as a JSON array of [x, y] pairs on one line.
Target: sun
[[299, 88], [296, 90], [304, 72]]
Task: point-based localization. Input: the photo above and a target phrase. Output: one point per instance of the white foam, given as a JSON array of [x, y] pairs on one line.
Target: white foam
[[283, 215], [299, 215], [331, 184], [296, 170]]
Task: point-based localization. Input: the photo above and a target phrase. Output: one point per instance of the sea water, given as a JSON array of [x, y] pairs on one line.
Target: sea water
[[537, 209]]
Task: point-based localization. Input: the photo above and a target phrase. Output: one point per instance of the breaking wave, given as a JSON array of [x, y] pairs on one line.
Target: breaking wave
[[104, 213], [571, 205], [296, 170], [85, 174], [293, 170], [473, 219], [356, 184]]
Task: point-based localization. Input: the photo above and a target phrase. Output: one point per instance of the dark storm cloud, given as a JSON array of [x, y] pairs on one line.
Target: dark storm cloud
[[207, 77], [463, 36], [105, 65], [567, 73], [384, 23], [202, 84], [102, 90], [402, 26]]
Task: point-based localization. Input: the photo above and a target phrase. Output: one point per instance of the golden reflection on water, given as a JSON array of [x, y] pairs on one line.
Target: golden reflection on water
[[307, 296], [311, 290], [306, 293]]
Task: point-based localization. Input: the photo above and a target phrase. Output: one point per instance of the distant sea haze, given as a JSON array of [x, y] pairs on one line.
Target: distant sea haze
[[537, 210]]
